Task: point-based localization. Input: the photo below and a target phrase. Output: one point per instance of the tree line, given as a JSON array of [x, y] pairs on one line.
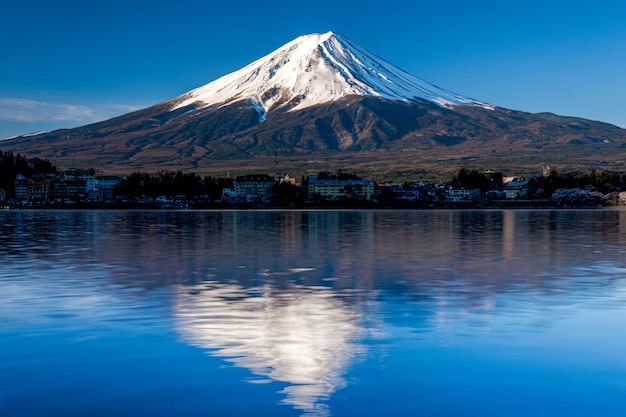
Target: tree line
[[12, 165], [169, 183], [604, 182]]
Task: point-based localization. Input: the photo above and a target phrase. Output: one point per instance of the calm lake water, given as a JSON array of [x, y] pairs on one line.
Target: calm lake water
[[313, 313]]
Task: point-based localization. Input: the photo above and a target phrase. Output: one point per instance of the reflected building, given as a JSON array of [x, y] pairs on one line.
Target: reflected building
[[306, 337]]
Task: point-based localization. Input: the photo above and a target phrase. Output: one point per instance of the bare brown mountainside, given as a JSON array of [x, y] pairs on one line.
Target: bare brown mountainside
[[378, 137]]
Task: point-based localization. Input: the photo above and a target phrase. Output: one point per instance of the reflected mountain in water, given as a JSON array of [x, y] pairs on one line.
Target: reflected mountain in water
[[305, 337], [489, 313]]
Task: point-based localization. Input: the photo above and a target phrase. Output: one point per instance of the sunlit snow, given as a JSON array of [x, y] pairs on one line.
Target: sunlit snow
[[316, 69]]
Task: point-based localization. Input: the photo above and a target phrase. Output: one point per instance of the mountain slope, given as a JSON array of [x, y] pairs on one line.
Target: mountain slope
[[321, 102]]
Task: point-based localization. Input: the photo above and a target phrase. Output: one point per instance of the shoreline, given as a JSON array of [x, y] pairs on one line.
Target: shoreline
[[494, 205]]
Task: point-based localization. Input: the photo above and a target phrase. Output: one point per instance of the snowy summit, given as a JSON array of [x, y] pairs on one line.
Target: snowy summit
[[317, 69]]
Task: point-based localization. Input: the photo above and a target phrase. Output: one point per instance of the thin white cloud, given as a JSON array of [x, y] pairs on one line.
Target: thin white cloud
[[30, 111]]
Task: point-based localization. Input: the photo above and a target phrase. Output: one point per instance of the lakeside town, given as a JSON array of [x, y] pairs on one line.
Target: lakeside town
[[36, 183]]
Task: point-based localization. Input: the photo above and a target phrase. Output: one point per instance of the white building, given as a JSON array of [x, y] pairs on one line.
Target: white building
[[459, 195], [516, 189], [335, 189]]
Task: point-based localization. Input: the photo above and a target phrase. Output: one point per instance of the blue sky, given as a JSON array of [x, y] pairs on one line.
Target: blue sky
[[67, 63]]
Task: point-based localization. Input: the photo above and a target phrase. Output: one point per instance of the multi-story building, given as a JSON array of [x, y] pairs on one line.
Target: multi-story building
[[21, 188], [108, 181], [101, 187], [516, 189], [40, 187], [254, 187], [336, 189], [72, 184]]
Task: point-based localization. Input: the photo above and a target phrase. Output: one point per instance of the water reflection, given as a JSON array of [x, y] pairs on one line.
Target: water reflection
[[295, 297], [54, 299], [306, 337]]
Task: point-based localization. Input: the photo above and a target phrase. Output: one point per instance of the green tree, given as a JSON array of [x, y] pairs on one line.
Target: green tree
[[471, 180]]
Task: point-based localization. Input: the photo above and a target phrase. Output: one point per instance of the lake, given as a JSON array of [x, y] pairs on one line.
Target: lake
[[313, 313]]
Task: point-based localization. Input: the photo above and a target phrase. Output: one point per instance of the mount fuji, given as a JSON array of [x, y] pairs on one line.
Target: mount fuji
[[322, 102]]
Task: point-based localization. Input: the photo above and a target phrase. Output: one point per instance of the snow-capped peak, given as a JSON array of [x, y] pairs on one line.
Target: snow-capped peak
[[316, 69]]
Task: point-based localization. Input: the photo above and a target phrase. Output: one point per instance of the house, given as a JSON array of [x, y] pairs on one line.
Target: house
[[336, 189], [406, 192], [507, 180], [287, 180], [408, 195]]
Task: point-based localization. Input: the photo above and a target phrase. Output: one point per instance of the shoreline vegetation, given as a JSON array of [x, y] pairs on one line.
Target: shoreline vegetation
[[38, 184]]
